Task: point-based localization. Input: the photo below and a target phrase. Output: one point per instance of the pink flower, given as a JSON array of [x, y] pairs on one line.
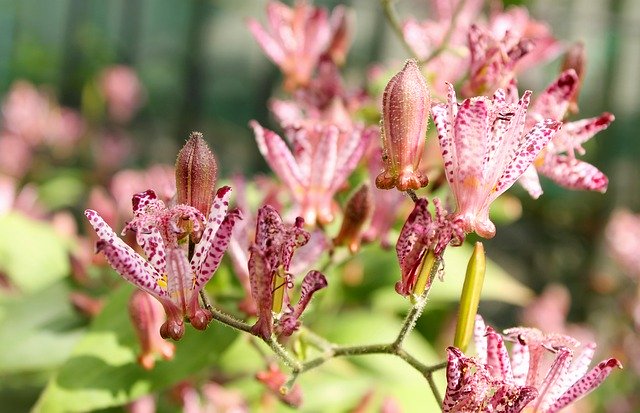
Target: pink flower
[[167, 274], [517, 22], [147, 318], [493, 59], [557, 161], [493, 381], [323, 158], [623, 241], [275, 379], [420, 234], [485, 150], [269, 262], [122, 91], [405, 116], [297, 37]]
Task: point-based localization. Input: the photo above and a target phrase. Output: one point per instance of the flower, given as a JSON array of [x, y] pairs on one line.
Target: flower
[[623, 241], [297, 37], [405, 116], [485, 150], [493, 59], [493, 381], [275, 380], [323, 158], [167, 274], [269, 262], [420, 235], [122, 91], [147, 318], [565, 170]]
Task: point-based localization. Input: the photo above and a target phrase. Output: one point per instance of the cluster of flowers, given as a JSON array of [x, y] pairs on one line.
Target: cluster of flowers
[[489, 141]]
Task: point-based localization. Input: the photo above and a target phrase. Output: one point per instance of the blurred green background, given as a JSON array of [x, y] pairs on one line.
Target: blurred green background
[[202, 70]]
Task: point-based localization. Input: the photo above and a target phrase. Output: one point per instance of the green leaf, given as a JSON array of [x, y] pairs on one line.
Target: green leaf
[[44, 324], [32, 254], [103, 372]]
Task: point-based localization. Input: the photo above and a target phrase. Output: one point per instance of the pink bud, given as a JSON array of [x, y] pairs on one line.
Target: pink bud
[[147, 316], [358, 210], [405, 114], [196, 172]]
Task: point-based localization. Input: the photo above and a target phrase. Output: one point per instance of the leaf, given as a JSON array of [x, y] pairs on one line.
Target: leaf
[[32, 255], [45, 326], [103, 372]]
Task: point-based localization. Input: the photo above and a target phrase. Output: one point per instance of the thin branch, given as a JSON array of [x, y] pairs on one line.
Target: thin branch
[[392, 17]]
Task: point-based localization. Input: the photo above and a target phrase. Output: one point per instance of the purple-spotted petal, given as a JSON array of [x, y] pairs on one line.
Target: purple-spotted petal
[[497, 357], [480, 339], [131, 266], [217, 213], [215, 251], [260, 276], [585, 385], [554, 102], [533, 143], [572, 173], [312, 282]]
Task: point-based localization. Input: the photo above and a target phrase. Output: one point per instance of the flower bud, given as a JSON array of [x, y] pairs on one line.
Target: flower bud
[[575, 59], [470, 297], [356, 213], [196, 172], [405, 114], [147, 316]]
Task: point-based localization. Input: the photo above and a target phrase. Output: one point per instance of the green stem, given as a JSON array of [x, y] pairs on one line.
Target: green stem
[[394, 21], [447, 36]]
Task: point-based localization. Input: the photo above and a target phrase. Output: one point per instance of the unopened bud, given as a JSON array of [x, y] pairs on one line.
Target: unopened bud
[[196, 172], [575, 59], [147, 316], [358, 210], [470, 297], [405, 113]]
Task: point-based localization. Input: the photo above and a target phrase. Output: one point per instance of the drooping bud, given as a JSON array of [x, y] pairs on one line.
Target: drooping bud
[[575, 59], [196, 172], [147, 315], [358, 210], [470, 297], [405, 113]]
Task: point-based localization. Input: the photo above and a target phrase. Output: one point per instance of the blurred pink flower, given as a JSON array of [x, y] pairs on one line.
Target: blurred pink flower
[[427, 36], [147, 318], [275, 379], [15, 155], [122, 91], [322, 159], [486, 147], [518, 22], [557, 161], [494, 381], [35, 117], [167, 274], [493, 59], [623, 241], [295, 39], [129, 181], [387, 205]]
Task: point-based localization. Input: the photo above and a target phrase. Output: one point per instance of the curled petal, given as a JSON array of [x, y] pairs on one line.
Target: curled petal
[[131, 266], [573, 173]]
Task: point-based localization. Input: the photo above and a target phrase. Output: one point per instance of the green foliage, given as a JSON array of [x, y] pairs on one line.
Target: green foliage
[[102, 370], [32, 255]]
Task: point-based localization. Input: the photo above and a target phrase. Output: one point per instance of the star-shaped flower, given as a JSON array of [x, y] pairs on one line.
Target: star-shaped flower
[[166, 273], [485, 150]]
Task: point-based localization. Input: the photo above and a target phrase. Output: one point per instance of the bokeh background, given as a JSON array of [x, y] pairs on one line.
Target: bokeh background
[[200, 69]]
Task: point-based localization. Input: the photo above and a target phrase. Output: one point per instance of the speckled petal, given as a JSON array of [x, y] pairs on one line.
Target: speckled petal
[[217, 213], [215, 251], [530, 182], [554, 102], [574, 134], [497, 357], [443, 117], [454, 376], [572, 173], [585, 385], [131, 266], [280, 159], [480, 339], [261, 290], [533, 143]]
